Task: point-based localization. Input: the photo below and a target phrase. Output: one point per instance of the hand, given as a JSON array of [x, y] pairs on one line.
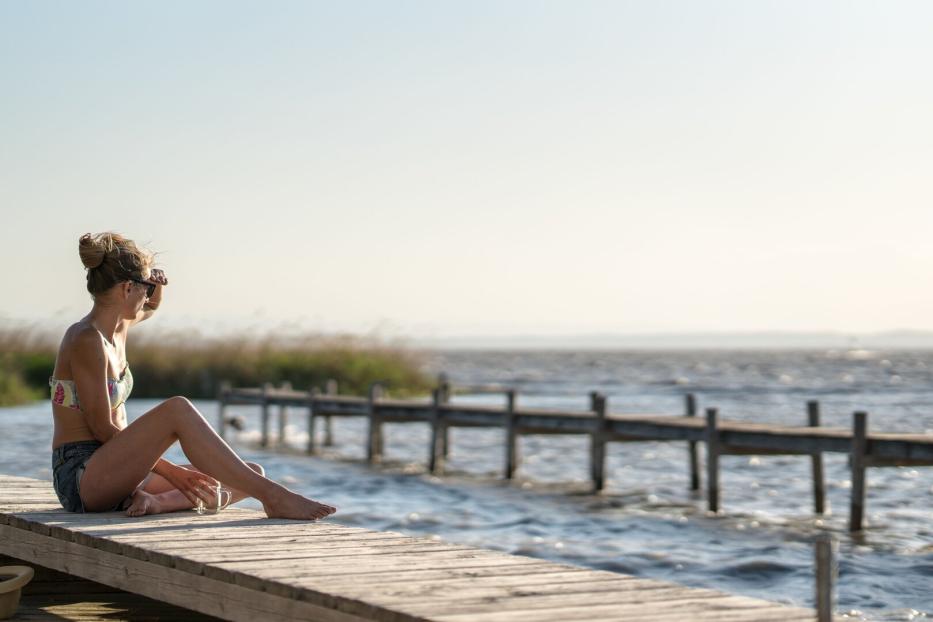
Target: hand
[[157, 276], [193, 484]]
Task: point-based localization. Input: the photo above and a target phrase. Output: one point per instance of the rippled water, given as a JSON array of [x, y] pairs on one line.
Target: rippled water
[[646, 522]]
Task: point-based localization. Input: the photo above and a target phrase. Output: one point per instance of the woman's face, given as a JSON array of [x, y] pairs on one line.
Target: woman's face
[[135, 298]]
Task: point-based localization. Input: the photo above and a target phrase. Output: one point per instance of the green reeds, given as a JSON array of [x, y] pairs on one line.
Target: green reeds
[[177, 363]]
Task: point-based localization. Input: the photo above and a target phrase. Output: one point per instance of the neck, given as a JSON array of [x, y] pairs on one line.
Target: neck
[[105, 318]]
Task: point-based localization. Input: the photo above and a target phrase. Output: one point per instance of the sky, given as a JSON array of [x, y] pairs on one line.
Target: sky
[[438, 169]]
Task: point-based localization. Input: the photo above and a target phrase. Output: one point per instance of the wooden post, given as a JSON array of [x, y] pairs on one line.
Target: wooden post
[[312, 419], [438, 429], [712, 459], [819, 488], [511, 435], [691, 407], [858, 463], [266, 388], [331, 389], [826, 570], [222, 394], [598, 442], [283, 415], [374, 446], [444, 385]]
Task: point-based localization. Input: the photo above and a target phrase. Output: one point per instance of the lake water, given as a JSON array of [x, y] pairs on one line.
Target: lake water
[[646, 522]]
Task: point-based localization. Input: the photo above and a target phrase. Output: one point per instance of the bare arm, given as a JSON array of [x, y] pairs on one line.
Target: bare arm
[[89, 370]]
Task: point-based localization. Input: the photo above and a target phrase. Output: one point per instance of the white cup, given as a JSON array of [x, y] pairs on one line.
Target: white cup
[[220, 494]]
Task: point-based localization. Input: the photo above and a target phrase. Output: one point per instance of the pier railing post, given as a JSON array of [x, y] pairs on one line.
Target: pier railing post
[[283, 415], [691, 410], [375, 446], [858, 464], [266, 390], [819, 487], [331, 389], [444, 385], [438, 430], [826, 572], [511, 435], [598, 442], [312, 420], [222, 395], [712, 459]]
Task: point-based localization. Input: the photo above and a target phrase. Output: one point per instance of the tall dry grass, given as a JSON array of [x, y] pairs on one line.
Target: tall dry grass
[[183, 363]]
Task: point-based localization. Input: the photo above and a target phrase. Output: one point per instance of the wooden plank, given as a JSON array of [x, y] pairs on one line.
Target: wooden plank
[[198, 562], [257, 542], [245, 538], [547, 575], [299, 581], [160, 550], [192, 559], [730, 609], [655, 597], [491, 586], [477, 570], [429, 600], [287, 580], [162, 583], [410, 559]]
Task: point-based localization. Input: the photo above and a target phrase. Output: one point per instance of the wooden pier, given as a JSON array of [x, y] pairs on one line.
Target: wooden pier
[[720, 437], [237, 565]]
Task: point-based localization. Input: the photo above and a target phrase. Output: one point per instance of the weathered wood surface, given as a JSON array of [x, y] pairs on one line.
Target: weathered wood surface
[[239, 566]]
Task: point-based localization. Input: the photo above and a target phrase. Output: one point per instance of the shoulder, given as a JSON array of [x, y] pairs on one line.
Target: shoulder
[[84, 340]]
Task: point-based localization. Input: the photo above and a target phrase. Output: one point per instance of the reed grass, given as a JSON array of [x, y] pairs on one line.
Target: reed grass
[[184, 363]]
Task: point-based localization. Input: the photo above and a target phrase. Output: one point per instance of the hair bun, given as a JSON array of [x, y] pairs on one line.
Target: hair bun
[[93, 249]]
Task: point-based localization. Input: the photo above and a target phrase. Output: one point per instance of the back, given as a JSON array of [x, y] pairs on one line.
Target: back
[[71, 423]]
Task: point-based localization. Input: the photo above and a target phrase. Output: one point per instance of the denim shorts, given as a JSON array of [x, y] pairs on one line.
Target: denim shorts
[[68, 463]]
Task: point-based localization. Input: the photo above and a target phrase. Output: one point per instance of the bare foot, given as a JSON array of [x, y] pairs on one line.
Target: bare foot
[[143, 503], [287, 504]]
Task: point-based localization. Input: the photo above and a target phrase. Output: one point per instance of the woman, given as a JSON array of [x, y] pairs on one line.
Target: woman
[[102, 464]]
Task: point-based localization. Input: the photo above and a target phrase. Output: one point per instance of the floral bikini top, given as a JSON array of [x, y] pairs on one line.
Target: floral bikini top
[[64, 392]]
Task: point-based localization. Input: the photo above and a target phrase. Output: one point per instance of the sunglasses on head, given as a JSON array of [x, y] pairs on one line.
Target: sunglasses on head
[[150, 287]]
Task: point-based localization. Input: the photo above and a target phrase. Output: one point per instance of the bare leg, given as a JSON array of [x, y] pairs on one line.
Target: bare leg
[[156, 495], [117, 468]]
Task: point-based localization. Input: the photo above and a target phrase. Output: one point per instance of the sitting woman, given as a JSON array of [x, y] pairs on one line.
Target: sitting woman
[[102, 464]]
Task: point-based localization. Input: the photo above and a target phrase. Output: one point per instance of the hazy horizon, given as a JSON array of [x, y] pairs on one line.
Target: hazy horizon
[[433, 170]]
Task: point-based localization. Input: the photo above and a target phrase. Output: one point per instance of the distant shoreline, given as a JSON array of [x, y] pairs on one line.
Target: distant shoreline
[[895, 340]]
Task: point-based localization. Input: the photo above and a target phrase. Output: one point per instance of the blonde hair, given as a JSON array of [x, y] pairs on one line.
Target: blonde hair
[[111, 258]]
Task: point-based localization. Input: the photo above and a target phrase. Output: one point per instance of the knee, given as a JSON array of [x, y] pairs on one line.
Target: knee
[[179, 402], [182, 406], [256, 467]]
